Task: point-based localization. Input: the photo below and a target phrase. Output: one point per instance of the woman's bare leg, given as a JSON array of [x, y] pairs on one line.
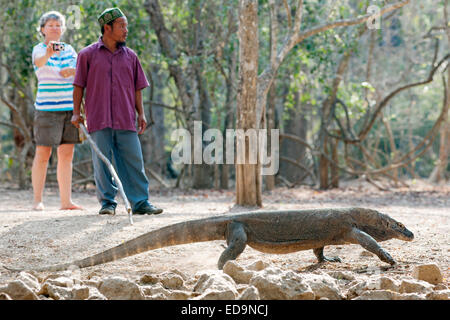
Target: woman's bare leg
[[64, 176], [38, 174]]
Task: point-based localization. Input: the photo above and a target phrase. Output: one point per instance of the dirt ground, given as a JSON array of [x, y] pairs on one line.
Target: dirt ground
[[32, 239]]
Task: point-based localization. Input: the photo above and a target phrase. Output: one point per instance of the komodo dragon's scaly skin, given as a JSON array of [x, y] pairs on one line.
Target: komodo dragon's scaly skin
[[266, 231]]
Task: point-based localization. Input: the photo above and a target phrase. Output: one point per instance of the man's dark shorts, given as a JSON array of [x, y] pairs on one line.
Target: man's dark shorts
[[53, 128]]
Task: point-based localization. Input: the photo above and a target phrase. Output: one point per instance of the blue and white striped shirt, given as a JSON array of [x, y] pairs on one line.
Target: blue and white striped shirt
[[54, 91]]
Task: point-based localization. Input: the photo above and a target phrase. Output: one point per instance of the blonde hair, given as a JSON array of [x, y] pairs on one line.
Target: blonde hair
[[51, 15]]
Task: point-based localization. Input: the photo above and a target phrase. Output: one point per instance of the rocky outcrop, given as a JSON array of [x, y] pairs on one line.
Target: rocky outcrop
[[256, 281]]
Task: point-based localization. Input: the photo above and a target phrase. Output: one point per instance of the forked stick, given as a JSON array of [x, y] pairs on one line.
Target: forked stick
[[111, 169]]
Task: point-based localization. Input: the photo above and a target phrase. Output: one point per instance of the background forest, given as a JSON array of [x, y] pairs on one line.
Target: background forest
[[351, 100]]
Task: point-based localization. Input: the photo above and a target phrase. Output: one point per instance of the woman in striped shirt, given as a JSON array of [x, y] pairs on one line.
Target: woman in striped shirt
[[55, 70]]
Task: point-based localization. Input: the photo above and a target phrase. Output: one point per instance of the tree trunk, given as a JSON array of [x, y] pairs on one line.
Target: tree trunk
[[248, 176], [334, 169]]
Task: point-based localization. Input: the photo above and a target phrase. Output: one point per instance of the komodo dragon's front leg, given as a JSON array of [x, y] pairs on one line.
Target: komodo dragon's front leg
[[370, 244], [236, 240]]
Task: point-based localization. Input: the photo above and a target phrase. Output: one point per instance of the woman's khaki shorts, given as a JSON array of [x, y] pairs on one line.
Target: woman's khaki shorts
[[52, 128]]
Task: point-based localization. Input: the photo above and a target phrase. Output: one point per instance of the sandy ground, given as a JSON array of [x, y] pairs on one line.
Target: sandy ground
[[31, 239]]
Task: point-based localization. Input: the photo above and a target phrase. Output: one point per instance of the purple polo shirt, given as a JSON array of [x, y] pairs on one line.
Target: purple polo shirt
[[110, 81]]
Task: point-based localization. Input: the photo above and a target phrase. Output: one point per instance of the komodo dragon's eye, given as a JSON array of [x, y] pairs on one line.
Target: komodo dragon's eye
[[400, 226]]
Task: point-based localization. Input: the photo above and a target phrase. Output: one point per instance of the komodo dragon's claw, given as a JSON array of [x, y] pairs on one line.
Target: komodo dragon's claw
[[332, 259]]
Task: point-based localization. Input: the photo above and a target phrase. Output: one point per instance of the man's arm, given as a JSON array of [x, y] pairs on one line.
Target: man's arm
[[142, 121], [77, 98]]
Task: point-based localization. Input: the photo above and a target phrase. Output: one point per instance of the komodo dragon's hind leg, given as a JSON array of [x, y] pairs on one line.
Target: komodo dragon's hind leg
[[319, 254], [236, 240], [370, 244]]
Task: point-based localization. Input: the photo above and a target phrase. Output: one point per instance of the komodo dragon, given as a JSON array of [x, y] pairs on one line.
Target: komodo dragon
[[266, 231]]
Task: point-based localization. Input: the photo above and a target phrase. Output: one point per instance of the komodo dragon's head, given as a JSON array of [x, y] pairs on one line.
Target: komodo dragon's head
[[381, 227]]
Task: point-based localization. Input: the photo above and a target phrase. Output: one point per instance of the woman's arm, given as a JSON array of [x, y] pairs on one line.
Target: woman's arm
[[67, 72], [41, 61]]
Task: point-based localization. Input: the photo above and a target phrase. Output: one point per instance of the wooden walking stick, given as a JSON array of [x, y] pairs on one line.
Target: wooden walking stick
[[111, 169]]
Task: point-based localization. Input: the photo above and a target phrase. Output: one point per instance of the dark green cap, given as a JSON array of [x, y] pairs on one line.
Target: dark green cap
[[109, 15]]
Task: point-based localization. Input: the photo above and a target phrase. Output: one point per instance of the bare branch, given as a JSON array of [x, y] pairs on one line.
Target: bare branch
[[288, 13], [158, 104], [363, 134], [298, 16], [11, 125], [349, 22], [16, 82], [297, 164], [22, 124], [297, 139]]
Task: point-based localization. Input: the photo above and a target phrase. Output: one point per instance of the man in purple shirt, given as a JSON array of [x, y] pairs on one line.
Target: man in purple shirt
[[113, 79]]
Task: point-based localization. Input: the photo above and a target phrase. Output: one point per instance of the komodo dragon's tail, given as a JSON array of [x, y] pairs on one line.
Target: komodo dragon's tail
[[207, 229]]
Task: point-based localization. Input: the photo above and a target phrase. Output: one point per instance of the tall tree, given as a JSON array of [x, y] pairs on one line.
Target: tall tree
[[254, 88]]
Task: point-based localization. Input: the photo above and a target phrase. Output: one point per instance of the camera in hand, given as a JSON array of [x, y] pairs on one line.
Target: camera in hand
[[58, 46]]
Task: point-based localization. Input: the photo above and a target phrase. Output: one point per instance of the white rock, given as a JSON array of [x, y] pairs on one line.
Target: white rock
[[93, 281], [237, 272], [375, 282], [158, 296], [57, 288], [276, 284], [179, 295], [215, 283], [258, 265], [149, 279], [409, 296], [415, 286], [428, 272], [376, 295], [211, 294], [154, 290], [386, 283], [80, 292], [118, 288], [31, 281], [64, 282], [18, 290], [94, 294], [440, 286], [388, 295], [250, 293], [439, 295], [55, 292], [4, 296], [356, 289], [180, 273], [323, 286], [171, 281]]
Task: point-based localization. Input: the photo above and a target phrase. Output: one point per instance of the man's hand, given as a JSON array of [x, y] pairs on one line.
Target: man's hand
[[142, 123], [76, 120]]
